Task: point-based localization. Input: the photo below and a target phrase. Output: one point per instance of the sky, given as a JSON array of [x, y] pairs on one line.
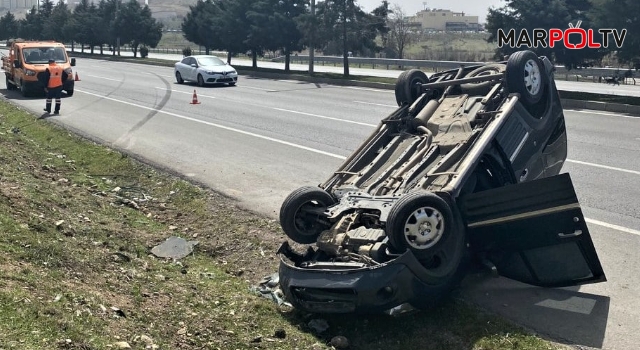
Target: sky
[[478, 8]]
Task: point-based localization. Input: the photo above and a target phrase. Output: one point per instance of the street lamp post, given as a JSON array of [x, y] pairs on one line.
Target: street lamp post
[[117, 15], [311, 42]]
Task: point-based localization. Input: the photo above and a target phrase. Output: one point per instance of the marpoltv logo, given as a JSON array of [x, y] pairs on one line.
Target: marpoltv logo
[[554, 36]]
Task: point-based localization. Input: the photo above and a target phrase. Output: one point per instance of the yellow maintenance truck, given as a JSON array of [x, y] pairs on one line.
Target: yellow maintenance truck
[[27, 62]]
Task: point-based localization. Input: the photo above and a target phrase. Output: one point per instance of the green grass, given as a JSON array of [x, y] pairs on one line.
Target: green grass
[[61, 279]]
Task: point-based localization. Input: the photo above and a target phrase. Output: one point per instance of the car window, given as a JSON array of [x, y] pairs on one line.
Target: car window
[[185, 60], [40, 55], [210, 61]]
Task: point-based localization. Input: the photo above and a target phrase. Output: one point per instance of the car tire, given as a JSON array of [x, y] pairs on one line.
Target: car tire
[[407, 88], [525, 76], [10, 85], [444, 237], [301, 227], [200, 80], [179, 79], [484, 87], [23, 89], [69, 93], [232, 84]]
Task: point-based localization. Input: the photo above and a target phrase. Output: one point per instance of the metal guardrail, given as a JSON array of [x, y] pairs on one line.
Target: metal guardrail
[[427, 65], [436, 66]]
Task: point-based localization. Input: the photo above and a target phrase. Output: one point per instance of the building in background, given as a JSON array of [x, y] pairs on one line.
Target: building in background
[[445, 20]]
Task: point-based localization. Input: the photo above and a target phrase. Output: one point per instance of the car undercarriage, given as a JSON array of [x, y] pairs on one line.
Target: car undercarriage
[[466, 170]]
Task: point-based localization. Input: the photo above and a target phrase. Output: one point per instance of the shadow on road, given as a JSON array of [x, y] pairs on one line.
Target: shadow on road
[[562, 314], [16, 95]]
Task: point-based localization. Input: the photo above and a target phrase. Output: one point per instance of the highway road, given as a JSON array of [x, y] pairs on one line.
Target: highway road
[[596, 88], [263, 138]]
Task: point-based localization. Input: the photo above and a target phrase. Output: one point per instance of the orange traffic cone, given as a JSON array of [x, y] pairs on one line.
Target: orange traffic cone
[[77, 79], [195, 99]]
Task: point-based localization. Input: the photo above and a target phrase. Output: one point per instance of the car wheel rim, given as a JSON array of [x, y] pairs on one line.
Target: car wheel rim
[[424, 228], [306, 221], [532, 77]]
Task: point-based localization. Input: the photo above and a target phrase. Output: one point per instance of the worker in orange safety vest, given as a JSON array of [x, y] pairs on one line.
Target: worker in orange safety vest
[[54, 77]]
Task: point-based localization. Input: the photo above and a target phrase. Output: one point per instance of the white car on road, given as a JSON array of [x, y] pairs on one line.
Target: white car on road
[[205, 69]]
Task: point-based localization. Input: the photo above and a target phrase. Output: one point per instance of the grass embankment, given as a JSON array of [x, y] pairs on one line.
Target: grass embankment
[[77, 224]]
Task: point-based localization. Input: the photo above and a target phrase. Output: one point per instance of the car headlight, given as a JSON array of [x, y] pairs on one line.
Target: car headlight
[[68, 71], [30, 72], [211, 72]]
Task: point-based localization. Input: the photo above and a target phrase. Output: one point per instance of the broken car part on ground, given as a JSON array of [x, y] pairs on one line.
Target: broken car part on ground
[[466, 170]]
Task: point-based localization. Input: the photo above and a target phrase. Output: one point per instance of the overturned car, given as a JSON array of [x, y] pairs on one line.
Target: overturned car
[[466, 170]]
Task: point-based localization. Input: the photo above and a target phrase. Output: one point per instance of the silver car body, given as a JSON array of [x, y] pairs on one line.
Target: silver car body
[[211, 69]]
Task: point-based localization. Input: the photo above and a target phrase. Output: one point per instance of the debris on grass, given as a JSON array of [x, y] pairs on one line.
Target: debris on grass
[[174, 248]]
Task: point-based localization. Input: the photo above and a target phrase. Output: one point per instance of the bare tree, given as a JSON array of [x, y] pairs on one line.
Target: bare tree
[[401, 32]]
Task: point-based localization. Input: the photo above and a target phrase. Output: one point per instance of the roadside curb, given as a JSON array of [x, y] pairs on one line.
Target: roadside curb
[[566, 103], [601, 106]]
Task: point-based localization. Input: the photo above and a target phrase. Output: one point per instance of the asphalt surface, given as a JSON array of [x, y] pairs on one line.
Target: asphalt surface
[[263, 138]]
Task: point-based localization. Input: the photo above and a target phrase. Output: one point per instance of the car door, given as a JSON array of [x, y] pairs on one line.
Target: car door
[[533, 232], [192, 69]]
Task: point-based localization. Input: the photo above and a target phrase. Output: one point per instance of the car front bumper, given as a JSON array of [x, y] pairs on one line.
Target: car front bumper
[[220, 78], [361, 290]]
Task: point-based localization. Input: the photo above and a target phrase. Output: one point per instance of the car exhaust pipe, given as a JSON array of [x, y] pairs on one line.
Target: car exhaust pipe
[[427, 112]]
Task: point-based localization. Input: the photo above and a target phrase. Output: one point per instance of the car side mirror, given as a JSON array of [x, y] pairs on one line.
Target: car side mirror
[[194, 65], [16, 64], [73, 62]]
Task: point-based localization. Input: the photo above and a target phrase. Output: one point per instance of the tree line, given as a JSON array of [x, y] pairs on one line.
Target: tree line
[[590, 14], [109, 24], [335, 27]]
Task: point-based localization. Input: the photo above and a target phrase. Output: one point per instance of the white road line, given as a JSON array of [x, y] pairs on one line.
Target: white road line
[[603, 113], [604, 167], [283, 110], [376, 104], [613, 227], [105, 78], [255, 88], [323, 117], [184, 92], [367, 89], [333, 155]]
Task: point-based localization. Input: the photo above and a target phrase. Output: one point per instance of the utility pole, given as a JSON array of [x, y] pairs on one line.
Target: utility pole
[[117, 15], [345, 54], [313, 34]]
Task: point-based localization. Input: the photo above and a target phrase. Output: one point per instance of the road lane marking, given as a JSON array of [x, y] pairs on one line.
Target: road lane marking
[[366, 89], [376, 104], [310, 149], [614, 227], [375, 125], [604, 167], [603, 113], [323, 117], [105, 78], [283, 110], [255, 88], [333, 155], [184, 92]]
